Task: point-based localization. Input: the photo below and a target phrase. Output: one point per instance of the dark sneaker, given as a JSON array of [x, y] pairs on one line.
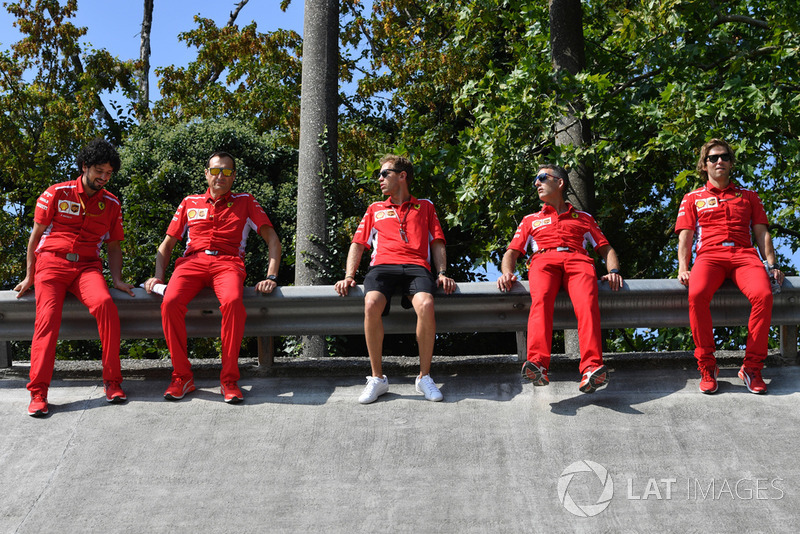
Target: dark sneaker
[[752, 379], [231, 392], [114, 393], [708, 379], [593, 379], [38, 405], [535, 373], [178, 388]]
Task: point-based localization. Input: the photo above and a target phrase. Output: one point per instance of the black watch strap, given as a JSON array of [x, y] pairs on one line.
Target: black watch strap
[[272, 277]]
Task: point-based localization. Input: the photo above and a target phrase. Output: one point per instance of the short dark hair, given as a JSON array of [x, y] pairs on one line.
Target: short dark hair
[[401, 164], [98, 152], [701, 163], [220, 154], [559, 172]]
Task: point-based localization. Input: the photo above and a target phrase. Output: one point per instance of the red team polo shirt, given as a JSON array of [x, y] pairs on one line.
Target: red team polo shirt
[[380, 231], [721, 216], [547, 229], [77, 223], [220, 225]]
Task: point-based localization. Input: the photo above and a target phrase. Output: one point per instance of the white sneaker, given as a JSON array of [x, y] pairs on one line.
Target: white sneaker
[[426, 386], [375, 388]]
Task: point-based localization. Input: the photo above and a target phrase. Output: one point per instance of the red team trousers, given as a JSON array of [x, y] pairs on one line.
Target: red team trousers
[[55, 276], [225, 274], [711, 268], [548, 272]]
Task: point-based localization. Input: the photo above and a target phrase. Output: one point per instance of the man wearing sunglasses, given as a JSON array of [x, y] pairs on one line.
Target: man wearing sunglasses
[[216, 225], [71, 222], [722, 214], [557, 236], [406, 237]]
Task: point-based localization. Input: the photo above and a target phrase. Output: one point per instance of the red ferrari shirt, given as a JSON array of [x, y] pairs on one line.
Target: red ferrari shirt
[[721, 216], [400, 235], [76, 222], [547, 229], [221, 225]]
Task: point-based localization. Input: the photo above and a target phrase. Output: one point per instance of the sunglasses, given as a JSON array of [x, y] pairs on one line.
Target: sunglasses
[[384, 173], [542, 177], [714, 157], [214, 171]]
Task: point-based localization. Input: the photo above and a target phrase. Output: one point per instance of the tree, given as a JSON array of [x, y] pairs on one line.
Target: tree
[[318, 128], [50, 107]]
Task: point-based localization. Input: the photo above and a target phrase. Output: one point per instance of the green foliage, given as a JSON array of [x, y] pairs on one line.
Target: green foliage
[[474, 95], [261, 73]]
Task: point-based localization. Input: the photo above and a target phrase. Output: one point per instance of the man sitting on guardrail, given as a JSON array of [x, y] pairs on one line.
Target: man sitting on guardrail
[[71, 222], [405, 236], [557, 236], [722, 214], [216, 224]]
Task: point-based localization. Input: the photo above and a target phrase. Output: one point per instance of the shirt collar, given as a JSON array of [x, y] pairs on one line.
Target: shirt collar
[[713, 189], [209, 198], [547, 209], [411, 200]]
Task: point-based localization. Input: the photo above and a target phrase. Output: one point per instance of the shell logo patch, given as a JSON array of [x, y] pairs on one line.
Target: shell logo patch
[[194, 214], [65, 206], [706, 203], [542, 222]]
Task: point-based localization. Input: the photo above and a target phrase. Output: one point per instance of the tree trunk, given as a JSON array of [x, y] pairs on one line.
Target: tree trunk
[[318, 124], [567, 46], [143, 107]]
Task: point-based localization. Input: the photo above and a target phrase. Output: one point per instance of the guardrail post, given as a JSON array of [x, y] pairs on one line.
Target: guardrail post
[[5, 354], [571, 345], [789, 343], [522, 345], [266, 352]]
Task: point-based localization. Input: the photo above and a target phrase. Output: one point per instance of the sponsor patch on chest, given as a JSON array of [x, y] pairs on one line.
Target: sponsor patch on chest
[[706, 203], [386, 214], [69, 207], [196, 214], [542, 222]]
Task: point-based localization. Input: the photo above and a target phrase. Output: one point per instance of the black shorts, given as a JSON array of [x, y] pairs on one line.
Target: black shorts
[[412, 279]]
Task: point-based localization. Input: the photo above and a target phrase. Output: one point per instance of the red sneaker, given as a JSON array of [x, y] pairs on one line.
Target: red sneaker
[[38, 405], [114, 393], [231, 392], [752, 379], [178, 388], [708, 379], [593, 379], [535, 373]]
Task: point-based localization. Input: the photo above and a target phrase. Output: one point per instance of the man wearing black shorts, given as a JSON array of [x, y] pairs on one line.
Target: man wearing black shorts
[[405, 237]]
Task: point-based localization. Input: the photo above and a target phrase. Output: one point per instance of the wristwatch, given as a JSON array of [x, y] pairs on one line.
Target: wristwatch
[[614, 271], [272, 277], [442, 272]]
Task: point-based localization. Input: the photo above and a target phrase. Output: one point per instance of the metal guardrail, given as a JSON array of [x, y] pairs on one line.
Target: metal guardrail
[[474, 307]]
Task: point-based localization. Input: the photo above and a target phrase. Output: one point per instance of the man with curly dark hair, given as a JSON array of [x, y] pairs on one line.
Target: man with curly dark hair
[[71, 222]]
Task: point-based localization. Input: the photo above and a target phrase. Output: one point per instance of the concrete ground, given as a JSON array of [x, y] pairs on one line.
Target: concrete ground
[[649, 453]]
